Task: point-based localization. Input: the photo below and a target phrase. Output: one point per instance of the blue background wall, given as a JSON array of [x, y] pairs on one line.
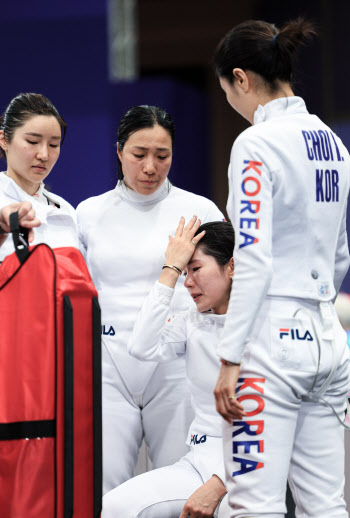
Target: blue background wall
[[60, 50], [63, 54]]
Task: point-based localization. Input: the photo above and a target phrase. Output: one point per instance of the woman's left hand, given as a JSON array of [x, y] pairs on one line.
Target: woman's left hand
[[203, 502], [225, 394]]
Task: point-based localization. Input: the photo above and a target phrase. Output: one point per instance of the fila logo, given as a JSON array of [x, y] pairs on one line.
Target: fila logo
[[295, 334], [110, 331], [196, 440]]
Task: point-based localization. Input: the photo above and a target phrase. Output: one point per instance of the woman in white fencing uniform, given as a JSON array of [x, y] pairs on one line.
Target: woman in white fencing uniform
[[194, 486], [123, 235], [31, 135], [285, 355]]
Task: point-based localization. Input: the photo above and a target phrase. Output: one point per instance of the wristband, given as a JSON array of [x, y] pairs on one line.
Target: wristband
[[177, 270], [225, 362]]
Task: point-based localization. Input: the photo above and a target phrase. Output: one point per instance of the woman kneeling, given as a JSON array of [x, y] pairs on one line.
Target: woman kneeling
[[193, 486]]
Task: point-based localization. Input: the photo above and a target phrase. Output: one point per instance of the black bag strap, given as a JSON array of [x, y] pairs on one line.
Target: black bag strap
[[27, 430], [97, 384], [20, 238], [68, 408]]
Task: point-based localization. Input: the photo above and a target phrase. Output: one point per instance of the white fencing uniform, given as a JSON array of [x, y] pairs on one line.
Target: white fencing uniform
[[289, 184], [163, 493], [58, 219], [124, 235]]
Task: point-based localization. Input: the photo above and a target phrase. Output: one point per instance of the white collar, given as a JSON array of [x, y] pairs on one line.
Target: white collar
[[279, 108], [39, 195], [9, 187], [142, 199], [12, 189], [208, 316]]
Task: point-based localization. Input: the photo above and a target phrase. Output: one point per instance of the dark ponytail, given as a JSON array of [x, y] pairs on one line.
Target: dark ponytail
[[261, 48]]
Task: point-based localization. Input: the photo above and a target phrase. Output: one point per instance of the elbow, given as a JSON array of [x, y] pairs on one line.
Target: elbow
[[264, 270], [268, 274]]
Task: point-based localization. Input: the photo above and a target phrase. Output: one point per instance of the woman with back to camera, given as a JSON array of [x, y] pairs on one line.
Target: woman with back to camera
[[31, 134], [195, 485], [124, 233], [286, 361]]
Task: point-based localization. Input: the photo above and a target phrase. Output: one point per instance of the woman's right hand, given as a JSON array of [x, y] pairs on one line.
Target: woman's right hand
[[182, 246], [26, 216]]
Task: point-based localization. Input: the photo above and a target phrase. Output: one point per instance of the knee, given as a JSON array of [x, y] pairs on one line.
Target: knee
[[114, 507]]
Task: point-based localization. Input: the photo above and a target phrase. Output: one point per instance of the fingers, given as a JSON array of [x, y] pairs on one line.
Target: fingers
[[25, 211], [198, 237], [30, 223], [225, 394], [27, 219], [229, 408], [188, 232], [191, 227], [180, 227], [26, 216]]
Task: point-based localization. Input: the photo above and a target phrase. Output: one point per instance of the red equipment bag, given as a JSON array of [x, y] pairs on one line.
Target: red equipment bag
[[50, 385]]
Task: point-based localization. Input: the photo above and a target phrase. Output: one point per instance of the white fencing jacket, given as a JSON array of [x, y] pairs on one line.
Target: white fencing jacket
[[123, 237], [58, 222], [157, 337], [288, 190]]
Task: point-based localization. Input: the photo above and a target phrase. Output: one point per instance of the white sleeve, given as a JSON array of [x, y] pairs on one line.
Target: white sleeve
[[250, 210], [342, 260], [213, 214], [156, 336], [82, 241]]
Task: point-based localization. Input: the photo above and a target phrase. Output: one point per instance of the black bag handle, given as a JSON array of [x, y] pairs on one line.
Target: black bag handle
[[68, 504], [97, 401], [20, 237]]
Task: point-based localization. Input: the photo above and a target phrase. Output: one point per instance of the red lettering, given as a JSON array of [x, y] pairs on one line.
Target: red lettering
[[252, 165], [257, 183], [250, 382], [258, 399]]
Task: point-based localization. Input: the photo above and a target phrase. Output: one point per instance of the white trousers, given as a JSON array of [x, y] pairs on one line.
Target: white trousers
[[161, 415], [162, 493], [283, 435]]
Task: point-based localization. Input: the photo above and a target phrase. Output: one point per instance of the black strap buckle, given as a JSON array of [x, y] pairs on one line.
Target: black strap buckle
[[20, 237]]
